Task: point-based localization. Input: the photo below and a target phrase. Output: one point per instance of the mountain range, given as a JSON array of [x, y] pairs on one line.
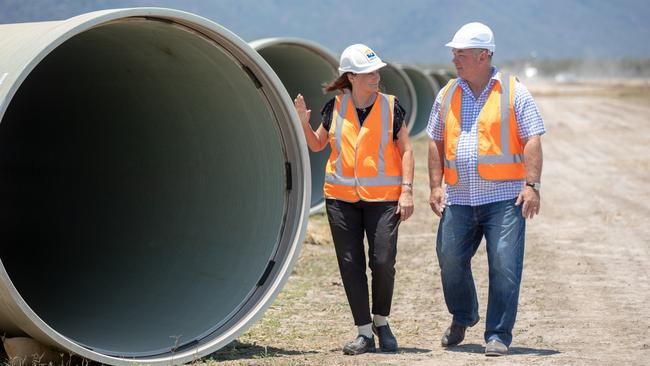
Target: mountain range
[[407, 30]]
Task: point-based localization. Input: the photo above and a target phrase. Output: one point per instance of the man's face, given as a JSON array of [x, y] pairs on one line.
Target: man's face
[[468, 62]]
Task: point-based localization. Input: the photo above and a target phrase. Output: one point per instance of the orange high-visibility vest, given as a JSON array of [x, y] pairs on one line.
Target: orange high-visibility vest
[[500, 150], [365, 163]]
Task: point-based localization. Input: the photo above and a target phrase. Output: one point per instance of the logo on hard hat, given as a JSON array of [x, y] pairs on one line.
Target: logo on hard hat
[[370, 55]]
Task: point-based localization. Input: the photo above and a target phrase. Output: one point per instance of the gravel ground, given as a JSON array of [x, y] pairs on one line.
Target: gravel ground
[[586, 283]]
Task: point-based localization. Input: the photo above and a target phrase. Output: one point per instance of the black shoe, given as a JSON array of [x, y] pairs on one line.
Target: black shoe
[[455, 334], [387, 341], [360, 345]]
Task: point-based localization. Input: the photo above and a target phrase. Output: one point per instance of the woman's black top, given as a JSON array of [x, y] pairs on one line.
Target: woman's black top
[[362, 113]]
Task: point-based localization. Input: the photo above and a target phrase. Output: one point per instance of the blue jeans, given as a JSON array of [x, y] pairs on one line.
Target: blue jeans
[[459, 234]]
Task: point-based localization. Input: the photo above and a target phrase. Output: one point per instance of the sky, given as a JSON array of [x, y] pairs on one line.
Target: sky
[[406, 30]]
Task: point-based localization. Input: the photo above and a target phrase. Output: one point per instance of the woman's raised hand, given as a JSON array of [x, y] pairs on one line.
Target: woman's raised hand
[[301, 108]]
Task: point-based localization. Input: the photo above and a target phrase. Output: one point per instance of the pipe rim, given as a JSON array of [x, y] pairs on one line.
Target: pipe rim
[[433, 84], [295, 151], [410, 90], [327, 56], [325, 53], [440, 75]]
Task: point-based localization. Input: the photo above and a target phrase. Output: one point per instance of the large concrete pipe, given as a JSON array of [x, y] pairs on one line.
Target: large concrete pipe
[[396, 82], [155, 186], [303, 67], [426, 90], [442, 76]]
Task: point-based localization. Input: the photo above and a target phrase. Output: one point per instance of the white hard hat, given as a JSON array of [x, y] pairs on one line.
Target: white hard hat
[[359, 59], [473, 35]]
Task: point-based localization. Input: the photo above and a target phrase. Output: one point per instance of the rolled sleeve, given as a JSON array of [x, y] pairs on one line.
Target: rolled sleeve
[[435, 125], [528, 117]]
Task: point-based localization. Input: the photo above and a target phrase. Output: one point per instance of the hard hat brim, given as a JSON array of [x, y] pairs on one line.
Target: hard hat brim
[[464, 46], [367, 70]]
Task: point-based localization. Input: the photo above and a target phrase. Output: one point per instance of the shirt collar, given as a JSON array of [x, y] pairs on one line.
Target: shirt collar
[[496, 75]]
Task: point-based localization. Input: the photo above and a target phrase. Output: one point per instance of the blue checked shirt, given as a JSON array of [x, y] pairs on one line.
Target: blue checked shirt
[[471, 189]]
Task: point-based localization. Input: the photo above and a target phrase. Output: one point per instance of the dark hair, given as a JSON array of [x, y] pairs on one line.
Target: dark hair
[[340, 83]]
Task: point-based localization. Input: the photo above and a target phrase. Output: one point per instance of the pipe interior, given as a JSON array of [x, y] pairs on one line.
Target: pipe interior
[[304, 71], [394, 84], [143, 187], [426, 90]]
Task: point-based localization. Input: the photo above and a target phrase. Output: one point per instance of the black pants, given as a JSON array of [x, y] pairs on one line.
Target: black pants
[[348, 221]]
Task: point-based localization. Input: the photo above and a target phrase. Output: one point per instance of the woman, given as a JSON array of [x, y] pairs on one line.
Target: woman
[[368, 187]]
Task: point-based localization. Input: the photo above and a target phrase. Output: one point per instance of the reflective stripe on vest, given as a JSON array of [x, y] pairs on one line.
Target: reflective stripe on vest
[[343, 106], [336, 177], [503, 166]]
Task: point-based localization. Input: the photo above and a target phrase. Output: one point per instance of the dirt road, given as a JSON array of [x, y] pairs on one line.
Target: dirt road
[[585, 297]]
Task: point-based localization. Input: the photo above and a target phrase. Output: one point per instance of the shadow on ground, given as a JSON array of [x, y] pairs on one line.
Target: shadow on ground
[[407, 350], [413, 350], [237, 350], [477, 348]]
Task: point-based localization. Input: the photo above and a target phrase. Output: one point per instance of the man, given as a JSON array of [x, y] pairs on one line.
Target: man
[[485, 130]]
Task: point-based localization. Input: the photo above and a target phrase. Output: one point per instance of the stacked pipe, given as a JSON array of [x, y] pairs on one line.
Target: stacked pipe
[[442, 76], [156, 182], [398, 83], [426, 90]]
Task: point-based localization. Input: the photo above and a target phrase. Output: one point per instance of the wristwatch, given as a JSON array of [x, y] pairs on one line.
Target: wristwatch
[[536, 185]]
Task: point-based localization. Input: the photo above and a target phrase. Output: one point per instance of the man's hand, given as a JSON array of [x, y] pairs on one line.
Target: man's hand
[[530, 198], [437, 200]]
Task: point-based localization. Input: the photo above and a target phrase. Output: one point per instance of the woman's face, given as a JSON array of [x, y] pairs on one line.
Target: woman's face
[[365, 83]]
